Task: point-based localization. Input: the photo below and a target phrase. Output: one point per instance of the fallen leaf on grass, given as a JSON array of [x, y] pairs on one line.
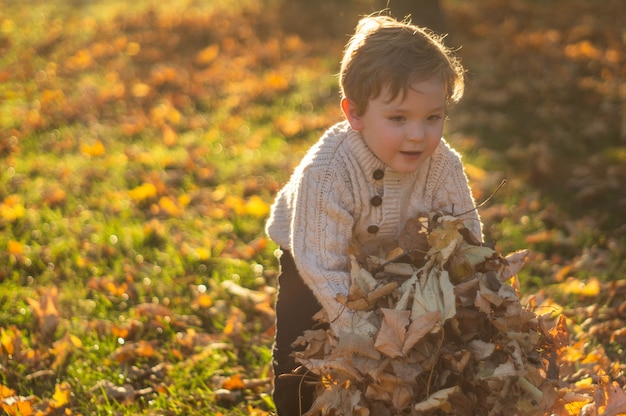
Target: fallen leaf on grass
[[63, 348], [125, 394], [18, 405], [135, 350], [237, 382], [46, 309], [61, 395]]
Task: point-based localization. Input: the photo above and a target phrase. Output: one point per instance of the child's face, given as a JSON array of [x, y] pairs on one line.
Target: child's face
[[402, 133]]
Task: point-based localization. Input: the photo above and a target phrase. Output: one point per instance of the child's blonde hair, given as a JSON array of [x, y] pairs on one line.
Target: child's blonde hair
[[384, 52]]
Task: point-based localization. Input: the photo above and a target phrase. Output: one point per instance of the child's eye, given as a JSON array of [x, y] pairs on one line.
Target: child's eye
[[397, 118], [435, 117]]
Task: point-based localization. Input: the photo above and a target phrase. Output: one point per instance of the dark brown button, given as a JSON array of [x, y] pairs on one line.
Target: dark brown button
[[376, 201], [378, 174], [372, 229]]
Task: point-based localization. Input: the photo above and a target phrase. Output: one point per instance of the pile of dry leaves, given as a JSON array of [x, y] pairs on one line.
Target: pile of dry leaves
[[452, 334]]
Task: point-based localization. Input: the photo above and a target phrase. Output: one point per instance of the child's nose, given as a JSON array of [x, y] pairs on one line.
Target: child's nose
[[417, 131]]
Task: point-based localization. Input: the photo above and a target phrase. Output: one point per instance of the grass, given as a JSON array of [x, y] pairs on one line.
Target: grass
[[141, 147]]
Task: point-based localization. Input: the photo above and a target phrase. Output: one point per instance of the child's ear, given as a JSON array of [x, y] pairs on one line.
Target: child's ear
[[351, 113]]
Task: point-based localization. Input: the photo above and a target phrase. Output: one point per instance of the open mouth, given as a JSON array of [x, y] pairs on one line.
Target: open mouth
[[411, 154]]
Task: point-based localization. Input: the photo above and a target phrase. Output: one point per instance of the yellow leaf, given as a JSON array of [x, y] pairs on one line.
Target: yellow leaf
[[169, 136], [289, 126], [174, 116], [234, 324], [256, 207], [204, 301], [445, 238], [586, 382], [276, 82], [202, 253], [475, 173], [80, 60], [170, 207], [233, 383], [6, 340], [61, 395], [15, 247], [140, 90], [6, 392], [133, 48], [583, 50], [207, 55], [236, 204], [574, 408], [63, 348], [573, 286], [573, 353], [143, 192], [11, 209], [94, 150]]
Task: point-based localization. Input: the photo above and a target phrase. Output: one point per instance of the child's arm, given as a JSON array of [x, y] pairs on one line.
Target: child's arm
[[321, 234]]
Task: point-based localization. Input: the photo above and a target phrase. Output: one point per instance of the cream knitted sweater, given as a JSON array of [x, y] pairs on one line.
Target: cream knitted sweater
[[342, 194]]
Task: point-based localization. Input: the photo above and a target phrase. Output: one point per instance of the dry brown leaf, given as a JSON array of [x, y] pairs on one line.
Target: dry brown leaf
[[342, 366], [361, 276], [414, 234], [514, 262], [444, 239], [152, 310], [63, 348], [437, 400], [46, 309], [124, 394], [419, 328], [392, 334], [402, 396], [480, 349], [465, 259], [356, 344], [615, 400], [399, 269], [253, 297], [381, 292], [344, 400]]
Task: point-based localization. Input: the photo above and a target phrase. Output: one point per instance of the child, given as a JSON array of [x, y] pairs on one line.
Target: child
[[362, 181]]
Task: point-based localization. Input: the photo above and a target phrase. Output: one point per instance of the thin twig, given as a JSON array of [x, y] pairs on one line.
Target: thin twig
[[485, 201]]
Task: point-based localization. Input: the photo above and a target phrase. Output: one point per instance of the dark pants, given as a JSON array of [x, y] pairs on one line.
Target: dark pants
[[294, 391]]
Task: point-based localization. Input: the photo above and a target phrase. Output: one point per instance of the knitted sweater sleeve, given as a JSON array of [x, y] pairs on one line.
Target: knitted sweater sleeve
[[452, 192], [321, 232]]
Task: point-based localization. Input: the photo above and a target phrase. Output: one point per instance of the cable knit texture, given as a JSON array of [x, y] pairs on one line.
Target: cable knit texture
[[327, 206]]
